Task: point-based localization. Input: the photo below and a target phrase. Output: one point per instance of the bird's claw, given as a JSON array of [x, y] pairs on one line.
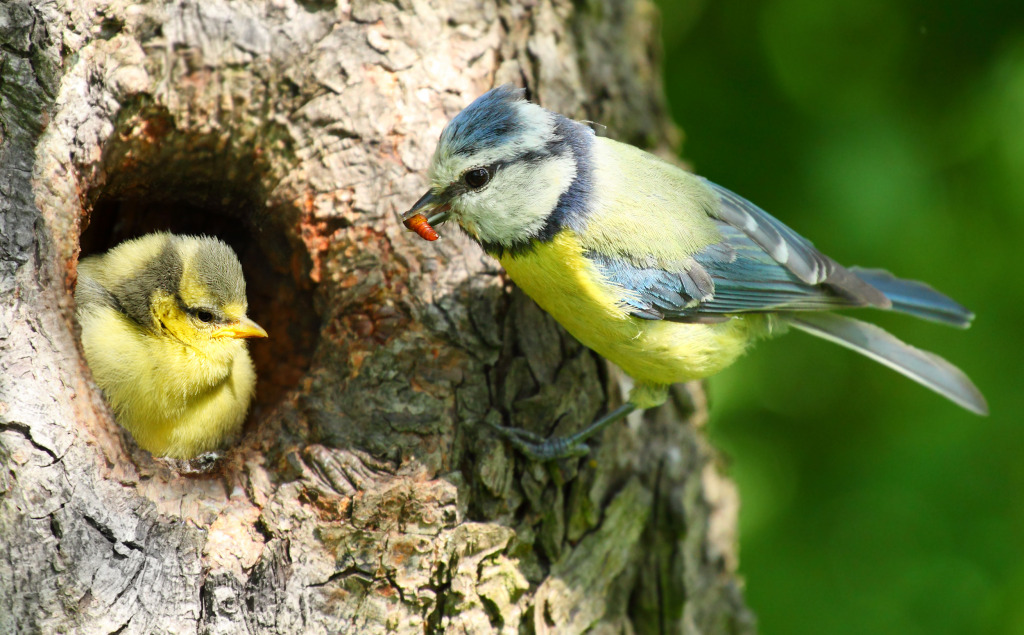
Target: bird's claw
[[199, 465], [538, 448]]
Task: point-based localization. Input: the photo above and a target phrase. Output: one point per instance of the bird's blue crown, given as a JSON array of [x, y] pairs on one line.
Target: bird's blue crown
[[491, 121]]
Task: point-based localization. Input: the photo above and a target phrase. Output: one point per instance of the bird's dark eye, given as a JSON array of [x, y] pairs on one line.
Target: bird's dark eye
[[477, 178], [204, 316]]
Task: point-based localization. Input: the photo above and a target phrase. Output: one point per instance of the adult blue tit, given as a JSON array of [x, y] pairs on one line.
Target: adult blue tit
[[662, 272], [164, 326]]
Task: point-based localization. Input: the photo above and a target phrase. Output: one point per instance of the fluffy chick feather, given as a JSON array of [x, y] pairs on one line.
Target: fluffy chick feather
[[164, 324]]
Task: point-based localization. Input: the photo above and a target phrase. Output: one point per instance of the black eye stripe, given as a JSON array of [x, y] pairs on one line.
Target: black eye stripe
[[530, 156], [460, 186]]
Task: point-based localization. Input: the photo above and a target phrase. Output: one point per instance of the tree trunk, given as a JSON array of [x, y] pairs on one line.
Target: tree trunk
[[368, 493]]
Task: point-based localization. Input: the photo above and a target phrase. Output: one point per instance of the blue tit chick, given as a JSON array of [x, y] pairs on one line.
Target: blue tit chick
[[662, 272], [164, 326]]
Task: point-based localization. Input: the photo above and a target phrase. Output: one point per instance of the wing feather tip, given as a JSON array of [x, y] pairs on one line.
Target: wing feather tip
[[923, 367]]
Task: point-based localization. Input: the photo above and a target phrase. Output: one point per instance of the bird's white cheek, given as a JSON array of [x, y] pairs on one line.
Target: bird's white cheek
[[518, 201]]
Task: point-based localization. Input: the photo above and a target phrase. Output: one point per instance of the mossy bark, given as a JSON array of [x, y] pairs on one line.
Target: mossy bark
[[368, 494]]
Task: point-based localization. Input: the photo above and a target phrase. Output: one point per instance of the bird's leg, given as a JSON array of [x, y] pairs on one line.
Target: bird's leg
[[540, 449], [642, 396]]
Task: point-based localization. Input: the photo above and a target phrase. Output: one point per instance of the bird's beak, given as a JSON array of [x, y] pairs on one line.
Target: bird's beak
[[241, 329], [431, 206]]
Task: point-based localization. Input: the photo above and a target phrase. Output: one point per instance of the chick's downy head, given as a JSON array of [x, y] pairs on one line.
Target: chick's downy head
[[504, 168], [186, 290], [206, 309]]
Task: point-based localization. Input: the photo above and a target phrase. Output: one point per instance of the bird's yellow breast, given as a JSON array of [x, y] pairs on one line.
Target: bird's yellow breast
[[568, 286]]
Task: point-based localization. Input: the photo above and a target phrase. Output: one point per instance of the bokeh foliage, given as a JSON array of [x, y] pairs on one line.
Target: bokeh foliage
[[891, 133]]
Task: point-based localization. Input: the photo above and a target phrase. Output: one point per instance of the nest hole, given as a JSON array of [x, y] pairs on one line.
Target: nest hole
[[217, 194]]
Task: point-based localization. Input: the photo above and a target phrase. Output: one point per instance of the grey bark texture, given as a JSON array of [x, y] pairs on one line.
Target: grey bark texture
[[368, 494]]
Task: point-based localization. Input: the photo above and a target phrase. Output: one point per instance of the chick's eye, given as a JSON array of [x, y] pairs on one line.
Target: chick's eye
[[477, 178], [204, 316]]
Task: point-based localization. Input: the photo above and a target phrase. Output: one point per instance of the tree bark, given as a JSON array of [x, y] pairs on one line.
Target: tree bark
[[368, 493]]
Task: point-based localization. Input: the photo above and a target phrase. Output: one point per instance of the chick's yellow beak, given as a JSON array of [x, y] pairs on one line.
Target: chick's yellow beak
[[241, 329]]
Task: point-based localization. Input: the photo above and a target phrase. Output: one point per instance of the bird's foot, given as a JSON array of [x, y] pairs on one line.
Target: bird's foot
[[203, 464], [537, 448]]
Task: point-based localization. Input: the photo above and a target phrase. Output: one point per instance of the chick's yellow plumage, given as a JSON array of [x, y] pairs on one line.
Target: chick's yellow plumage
[[163, 322]]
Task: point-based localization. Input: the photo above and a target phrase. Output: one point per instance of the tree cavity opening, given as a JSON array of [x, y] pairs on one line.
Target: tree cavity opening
[[154, 177]]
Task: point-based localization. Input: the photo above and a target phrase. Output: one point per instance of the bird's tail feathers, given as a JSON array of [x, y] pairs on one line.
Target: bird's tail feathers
[[916, 298], [926, 368]]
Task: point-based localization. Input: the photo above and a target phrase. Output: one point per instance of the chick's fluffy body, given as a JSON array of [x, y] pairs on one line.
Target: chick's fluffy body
[[153, 313]]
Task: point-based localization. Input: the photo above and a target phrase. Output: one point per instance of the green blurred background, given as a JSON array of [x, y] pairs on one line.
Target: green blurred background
[[891, 133]]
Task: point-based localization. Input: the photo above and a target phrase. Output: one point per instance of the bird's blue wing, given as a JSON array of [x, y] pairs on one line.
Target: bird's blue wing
[[784, 245], [734, 276], [759, 265], [795, 253]]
